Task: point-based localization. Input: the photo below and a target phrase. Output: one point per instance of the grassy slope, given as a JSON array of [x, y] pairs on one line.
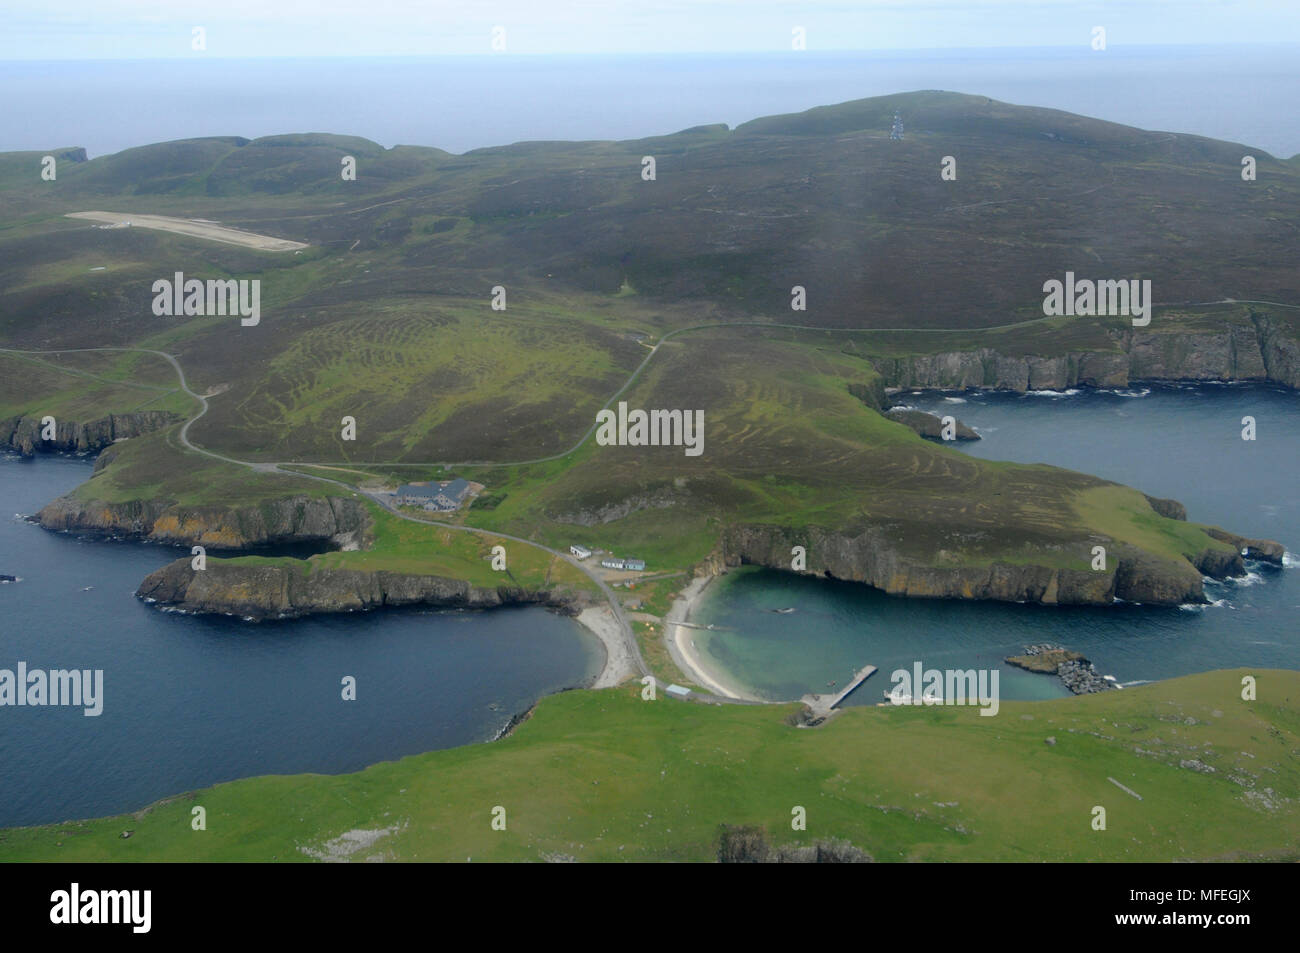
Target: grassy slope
[[406, 547], [786, 443], [85, 387], [606, 776]]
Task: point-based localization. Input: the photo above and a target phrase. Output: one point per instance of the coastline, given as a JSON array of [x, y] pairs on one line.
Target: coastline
[[619, 663], [682, 649]]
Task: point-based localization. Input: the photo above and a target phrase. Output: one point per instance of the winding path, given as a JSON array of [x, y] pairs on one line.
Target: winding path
[[625, 628]]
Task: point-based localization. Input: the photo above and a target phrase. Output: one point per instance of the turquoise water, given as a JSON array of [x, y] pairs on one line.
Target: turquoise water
[[1172, 441], [190, 701]]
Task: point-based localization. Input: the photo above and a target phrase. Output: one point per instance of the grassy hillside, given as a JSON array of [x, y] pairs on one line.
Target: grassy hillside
[[606, 776], [734, 218]]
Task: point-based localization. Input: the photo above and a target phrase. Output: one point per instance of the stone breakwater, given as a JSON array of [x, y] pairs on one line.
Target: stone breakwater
[[261, 592], [23, 434], [1079, 675]]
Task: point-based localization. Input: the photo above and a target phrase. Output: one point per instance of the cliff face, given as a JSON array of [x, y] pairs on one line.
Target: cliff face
[[930, 425], [1264, 352], [285, 591], [23, 434], [340, 521], [870, 558]]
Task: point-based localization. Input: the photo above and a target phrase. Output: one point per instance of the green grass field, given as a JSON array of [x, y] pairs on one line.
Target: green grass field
[[605, 776]]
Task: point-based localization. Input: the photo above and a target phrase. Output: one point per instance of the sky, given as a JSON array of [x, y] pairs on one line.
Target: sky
[[148, 29]]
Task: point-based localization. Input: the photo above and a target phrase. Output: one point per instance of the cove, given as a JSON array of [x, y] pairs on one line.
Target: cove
[[1174, 441], [190, 701]]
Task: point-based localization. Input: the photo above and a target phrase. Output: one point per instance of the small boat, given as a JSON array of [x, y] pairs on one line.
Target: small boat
[[785, 611]]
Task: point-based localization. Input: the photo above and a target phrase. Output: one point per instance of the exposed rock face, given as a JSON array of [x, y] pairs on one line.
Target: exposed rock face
[[284, 591], [930, 425], [869, 557], [749, 845], [341, 521], [609, 512], [24, 433], [1266, 550], [1265, 351], [1079, 675], [1170, 509]]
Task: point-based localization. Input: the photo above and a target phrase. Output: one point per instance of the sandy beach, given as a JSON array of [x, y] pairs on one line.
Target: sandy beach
[[681, 643], [619, 661]]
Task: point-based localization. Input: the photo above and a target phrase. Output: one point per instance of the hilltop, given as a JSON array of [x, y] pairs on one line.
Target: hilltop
[[671, 293]]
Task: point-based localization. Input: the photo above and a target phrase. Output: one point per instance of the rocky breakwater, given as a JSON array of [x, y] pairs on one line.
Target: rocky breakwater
[[1079, 675], [874, 555], [290, 589], [338, 522], [23, 434]]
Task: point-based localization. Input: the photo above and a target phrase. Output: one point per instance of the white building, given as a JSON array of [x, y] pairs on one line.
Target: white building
[[582, 552]]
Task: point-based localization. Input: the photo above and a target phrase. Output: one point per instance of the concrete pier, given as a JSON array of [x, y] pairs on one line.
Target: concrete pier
[[823, 704]]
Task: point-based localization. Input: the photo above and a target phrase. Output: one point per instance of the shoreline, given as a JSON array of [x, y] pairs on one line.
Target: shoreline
[[682, 649], [619, 663]]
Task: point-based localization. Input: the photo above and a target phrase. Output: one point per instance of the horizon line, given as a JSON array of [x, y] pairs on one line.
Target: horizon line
[[1081, 48]]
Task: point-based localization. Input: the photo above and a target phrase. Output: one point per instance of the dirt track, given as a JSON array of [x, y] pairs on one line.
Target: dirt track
[[184, 226]]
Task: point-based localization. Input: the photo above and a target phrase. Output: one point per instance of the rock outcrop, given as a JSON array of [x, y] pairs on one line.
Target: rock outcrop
[[929, 425], [749, 845], [340, 522], [870, 557], [287, 590], [1077, 672], [23, 434], [1266, 550], [1170, 509], [1260, 351]]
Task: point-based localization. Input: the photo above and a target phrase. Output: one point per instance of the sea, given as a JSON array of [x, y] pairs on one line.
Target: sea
[[1241, 93], [191, 701], [1179, 441]]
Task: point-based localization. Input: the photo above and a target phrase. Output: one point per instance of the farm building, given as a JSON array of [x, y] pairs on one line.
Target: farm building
[[433, 496], [582, 552], [618, 562]]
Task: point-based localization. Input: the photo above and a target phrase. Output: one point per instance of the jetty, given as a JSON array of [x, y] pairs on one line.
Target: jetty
[[823, 704]]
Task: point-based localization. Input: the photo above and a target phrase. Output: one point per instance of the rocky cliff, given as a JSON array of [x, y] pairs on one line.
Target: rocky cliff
[[23, 434], [341, 522], [288, 590], [870, 557], [1261, 351], [929, 425]]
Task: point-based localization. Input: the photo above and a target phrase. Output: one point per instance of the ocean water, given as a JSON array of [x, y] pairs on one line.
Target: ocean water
[[1243, 94], [191, 701], [1178, 441]]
